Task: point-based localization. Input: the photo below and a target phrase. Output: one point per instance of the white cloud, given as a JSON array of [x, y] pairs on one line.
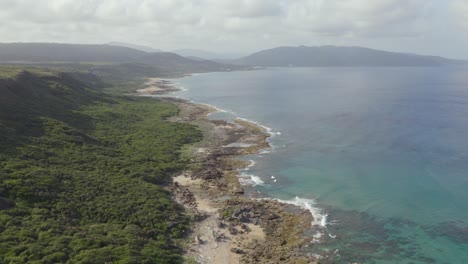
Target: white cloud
[[217, 24], [359, 17], [459, 8]]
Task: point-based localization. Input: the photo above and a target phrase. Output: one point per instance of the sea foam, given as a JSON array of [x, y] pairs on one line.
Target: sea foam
[[320, 219], [217, 109], [249, 179], [251, 164], [267, 129]]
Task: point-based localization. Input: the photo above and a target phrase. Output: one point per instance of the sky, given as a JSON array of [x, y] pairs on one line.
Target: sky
[[433, 27]]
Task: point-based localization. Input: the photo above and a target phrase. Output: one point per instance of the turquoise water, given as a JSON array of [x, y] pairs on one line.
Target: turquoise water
[[380, 155]]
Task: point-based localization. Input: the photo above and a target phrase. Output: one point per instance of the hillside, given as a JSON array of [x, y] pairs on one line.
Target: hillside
[[53, 52], [82, 172], [332, 56], [134, 46], [104, 55], [207, 55]]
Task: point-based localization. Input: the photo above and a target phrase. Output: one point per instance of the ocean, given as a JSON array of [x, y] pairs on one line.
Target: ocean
[[378, 155]]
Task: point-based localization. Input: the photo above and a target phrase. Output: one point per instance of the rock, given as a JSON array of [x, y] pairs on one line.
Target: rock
[[237, 251], [238, 191], [200, 216], [272, 217], [243, 218], [246, 228], [233, 230], [198, 240], [220, 237], [221, 224], [283, 230]]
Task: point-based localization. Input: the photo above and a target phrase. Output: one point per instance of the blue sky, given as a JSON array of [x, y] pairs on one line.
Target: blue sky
[[435, 27]]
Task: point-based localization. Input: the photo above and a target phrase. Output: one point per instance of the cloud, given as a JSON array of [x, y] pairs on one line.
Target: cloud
[[459, 8], [360, 17], [250, 8], [217, 24]]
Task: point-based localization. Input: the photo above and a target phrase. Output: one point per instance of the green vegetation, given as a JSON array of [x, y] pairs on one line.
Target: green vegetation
[[13, 71], [82, 173]]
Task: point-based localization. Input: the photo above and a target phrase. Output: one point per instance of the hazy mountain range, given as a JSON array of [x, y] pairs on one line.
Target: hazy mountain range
[[202, 54], [196, 60], [134, 46], [152, 63], [332, 56], [196, 54]]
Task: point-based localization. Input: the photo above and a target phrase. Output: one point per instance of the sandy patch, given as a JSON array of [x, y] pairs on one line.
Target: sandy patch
[[213, 242], [154, 86]]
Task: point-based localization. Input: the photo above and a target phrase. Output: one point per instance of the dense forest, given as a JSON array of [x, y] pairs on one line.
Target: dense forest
[[82, 172]]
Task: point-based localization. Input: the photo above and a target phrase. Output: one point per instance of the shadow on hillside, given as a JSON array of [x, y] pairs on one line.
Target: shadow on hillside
[[28, 100]]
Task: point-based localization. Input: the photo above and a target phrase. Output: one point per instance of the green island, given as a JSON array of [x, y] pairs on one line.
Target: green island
[[83, 171]]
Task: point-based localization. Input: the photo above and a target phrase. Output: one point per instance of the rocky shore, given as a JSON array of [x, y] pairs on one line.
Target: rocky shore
[[154, 86], [230, 227]]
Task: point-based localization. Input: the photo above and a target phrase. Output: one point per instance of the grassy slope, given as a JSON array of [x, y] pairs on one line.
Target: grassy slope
[[85, 171]]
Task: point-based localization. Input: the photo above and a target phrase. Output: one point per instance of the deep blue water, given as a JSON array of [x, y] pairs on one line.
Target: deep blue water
[[382, 152]]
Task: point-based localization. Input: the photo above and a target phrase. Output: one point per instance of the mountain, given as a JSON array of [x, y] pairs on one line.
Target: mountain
[[332, 56], [207, 55], [53, 52], [163, 62], [183, 64], [134, 46]]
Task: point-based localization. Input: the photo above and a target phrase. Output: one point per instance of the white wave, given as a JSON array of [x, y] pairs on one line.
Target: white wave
[[217, 109], [257, 180], [320, 219], [316, 237], [267, 129], [251, 180], [265, 151], [317, 256], [252, 163]]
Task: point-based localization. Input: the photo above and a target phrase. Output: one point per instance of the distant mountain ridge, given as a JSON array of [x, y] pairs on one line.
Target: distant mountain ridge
[[333, 56], [207, 55], [134, 46], [104, 54], [55, 52]]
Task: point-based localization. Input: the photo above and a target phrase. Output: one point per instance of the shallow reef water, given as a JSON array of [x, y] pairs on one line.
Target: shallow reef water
[[380, 154]]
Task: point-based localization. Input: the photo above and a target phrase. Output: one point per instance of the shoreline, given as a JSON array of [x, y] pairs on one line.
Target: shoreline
[[155, 86], [230, 227]]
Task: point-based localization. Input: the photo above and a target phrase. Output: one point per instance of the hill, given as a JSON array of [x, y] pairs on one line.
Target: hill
[[134, 46], [43, 53], [167, 60], [332, 56], [82, 173], [206, 55], [54, 52]]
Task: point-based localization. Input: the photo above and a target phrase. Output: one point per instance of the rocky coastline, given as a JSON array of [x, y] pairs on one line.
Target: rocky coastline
[[229, 226]]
